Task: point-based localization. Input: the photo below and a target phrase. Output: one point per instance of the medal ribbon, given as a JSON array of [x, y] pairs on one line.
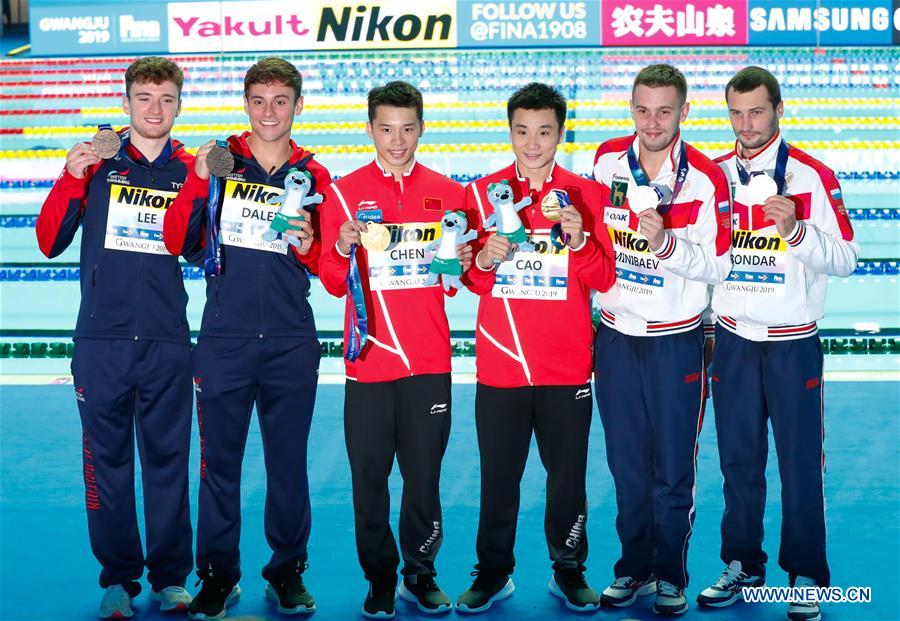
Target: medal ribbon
[[780, 166], [212, 264], [640, 177], [357, 318], [556, 235]]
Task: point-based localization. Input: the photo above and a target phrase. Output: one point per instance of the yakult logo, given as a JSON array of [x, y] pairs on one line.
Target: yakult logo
[[240, 26]]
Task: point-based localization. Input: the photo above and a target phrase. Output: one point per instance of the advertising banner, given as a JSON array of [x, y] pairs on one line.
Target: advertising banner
[[272, 25], [672, 22], [528, 24], [826, 22], [97, 28]]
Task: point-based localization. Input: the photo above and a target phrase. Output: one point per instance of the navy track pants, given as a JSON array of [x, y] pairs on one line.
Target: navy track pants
[[782, 382], [126, 388], [650, 393], [279, 376]]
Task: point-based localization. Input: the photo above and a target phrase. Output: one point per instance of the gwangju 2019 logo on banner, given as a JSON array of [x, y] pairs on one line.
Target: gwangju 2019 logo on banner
[[664, 23]]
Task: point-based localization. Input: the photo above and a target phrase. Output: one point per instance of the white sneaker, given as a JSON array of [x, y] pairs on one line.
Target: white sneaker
[[804, 611], [172, 599], [624, 591], [116, 603], [729, 587], [670, 600]]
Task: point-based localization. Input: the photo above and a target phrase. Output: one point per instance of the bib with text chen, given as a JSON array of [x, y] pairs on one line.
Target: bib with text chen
[[404, 264]]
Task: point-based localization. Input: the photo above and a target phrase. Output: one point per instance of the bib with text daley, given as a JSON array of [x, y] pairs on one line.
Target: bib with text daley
[[135, 219], [404, 264], [246, 216], [539, 275], [758, 264], [637, 268]]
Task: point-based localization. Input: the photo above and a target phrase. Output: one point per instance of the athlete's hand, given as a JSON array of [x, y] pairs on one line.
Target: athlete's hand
[[349, 235], [301, 230], [496, 249], [200, 167], [781, 211], [572, 225], [652, 228], [80, 158], [464, 254]]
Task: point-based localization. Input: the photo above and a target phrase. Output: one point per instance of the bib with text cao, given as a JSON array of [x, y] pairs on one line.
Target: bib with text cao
[[404, 263], [539, 275], [637, 268], [135, 219], [246, 216]]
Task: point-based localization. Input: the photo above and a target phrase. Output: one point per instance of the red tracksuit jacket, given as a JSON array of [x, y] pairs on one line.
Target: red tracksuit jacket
[[408, 329], [534, 314]]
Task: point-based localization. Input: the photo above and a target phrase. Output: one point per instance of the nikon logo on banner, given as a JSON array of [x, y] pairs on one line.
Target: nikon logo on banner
[[387, 24], [270, 25]]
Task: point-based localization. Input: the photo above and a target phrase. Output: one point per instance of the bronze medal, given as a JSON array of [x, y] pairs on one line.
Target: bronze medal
[[106, 143], [220, 160]]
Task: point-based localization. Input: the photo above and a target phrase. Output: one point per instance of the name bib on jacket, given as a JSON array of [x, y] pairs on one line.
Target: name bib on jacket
[[246, 216], [135, 219], [539, 275], [759, 264], [637, 268], [404, 264]]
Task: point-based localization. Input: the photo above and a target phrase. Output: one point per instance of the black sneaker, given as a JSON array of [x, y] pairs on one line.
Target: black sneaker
[[423, 591], [569, 585], [289, 593], [487, 588], [214, 597], [380, 600]]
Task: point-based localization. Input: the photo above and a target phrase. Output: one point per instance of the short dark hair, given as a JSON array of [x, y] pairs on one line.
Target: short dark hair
[[662, 75], [537, 96], [153, 69], [272, 69], [398, 94], [751, 78]]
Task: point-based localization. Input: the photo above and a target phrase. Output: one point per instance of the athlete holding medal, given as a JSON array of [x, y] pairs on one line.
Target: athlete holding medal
[[131, 365], [531, 379], [667, 206], [791, 232], [258, 344], [376, 225]]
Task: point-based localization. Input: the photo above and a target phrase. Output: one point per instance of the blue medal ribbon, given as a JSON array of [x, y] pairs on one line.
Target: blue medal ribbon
[[212, 264], [640, 177], [556, 235], [359, 323], [780, 166]]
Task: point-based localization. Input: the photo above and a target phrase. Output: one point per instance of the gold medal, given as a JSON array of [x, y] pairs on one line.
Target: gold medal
[[550, 207], [106, 143], [220, 160], [376, 237]]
